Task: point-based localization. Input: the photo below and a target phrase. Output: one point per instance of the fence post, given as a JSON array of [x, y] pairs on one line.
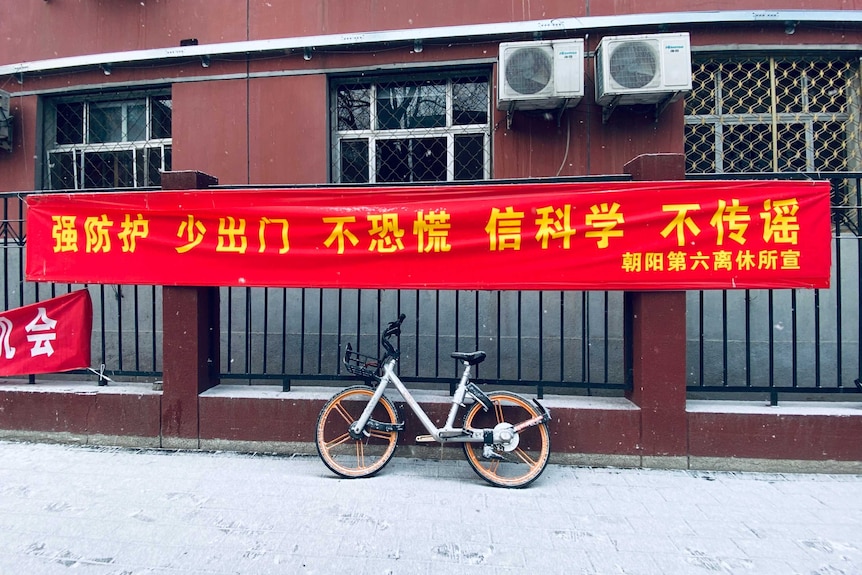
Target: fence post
[[190, 348], [656, 340]]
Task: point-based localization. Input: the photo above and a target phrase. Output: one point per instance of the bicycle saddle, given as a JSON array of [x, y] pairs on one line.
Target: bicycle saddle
[[473, 357]]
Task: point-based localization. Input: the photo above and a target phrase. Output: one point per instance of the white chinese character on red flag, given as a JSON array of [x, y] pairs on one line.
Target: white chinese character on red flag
[[5, 333], [41, 341]]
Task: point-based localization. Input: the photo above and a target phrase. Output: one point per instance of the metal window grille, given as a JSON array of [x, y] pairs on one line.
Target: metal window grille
[[429, 128], [772, 114], [119, 140], [776, 114]]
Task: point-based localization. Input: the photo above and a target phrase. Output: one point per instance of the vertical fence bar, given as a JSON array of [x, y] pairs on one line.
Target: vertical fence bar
[[817, 358], [725, 376], [499, 339], [437, 333], [265, 334], [229, 330], [155, 341], [518, 346], [585, 337], [416, 329], [839, 363], [119, 294], [319, 330], [607, 346], [794, 357], [562, 336], [302, 332], [747, 338], [701, 339], [859, 269], [773, 396], [540, 392]]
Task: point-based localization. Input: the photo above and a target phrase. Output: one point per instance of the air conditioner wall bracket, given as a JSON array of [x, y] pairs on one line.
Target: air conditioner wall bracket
[[609, 109], [660, 107]]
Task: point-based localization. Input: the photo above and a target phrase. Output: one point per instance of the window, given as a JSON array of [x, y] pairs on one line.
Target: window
[[424, 129], [121, 140], [772, 114]]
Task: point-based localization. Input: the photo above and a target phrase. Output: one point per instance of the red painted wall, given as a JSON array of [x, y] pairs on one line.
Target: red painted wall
[[82, 413], [288, 124], [210, 129], [775, 436]]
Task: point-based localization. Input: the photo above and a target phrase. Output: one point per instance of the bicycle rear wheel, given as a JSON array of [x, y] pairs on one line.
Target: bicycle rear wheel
[[523, 464], [345, 455]]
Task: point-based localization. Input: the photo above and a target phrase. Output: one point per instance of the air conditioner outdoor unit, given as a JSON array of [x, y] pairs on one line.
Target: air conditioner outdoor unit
[[540, 75], [5, 122], [643, 69]]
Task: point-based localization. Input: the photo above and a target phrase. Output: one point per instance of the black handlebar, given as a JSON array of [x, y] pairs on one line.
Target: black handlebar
[[393, 329]]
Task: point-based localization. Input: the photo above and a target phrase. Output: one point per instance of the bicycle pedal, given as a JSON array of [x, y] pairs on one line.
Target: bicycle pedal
[[425, 439], [489, 453]]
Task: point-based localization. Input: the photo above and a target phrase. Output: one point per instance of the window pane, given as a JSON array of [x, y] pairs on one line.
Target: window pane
[[429, 159], [354, 161], [109, 169], [105, 123], [470, 157], [354, 108], [745, 88], [828, 87], [136, 122], [700, 148], [153, 176], [411, 160], [830, 151], [61, 170], [701, 99], [70, 123], [413, 105], [748, 148], [470, 102], [161, 121], [792, 149]]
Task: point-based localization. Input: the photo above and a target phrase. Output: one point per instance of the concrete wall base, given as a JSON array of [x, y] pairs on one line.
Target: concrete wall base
[[585, 431]]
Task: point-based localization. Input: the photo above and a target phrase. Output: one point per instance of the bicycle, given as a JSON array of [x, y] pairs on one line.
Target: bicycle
[[358, 428]]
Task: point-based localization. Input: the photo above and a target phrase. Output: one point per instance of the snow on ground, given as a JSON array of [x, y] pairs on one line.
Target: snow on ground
[[66, 509]]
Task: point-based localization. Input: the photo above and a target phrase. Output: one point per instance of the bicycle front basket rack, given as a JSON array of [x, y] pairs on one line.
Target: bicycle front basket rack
[[364, 366]]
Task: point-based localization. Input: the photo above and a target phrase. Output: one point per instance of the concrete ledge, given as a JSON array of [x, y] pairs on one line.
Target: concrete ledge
[[831, 408], [774, 465], [129, 441]]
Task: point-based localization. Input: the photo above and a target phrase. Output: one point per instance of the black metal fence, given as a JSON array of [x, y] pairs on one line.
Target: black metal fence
[[763, 341], [796, 342]]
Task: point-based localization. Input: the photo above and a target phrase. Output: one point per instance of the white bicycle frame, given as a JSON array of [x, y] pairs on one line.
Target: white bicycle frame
[[447, 433]]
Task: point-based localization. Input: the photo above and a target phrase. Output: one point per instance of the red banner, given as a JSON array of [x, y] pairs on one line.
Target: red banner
[[46, 337], [621, 235]]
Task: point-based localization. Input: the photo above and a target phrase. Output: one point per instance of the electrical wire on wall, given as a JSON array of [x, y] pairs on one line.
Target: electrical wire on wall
[[568, 139]]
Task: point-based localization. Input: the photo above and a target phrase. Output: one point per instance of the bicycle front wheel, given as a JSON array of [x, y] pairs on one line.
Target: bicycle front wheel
[[344, 454], [519, 466]]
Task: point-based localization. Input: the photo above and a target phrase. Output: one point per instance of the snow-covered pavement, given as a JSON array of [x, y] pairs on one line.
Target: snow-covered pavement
[[66, 509]]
